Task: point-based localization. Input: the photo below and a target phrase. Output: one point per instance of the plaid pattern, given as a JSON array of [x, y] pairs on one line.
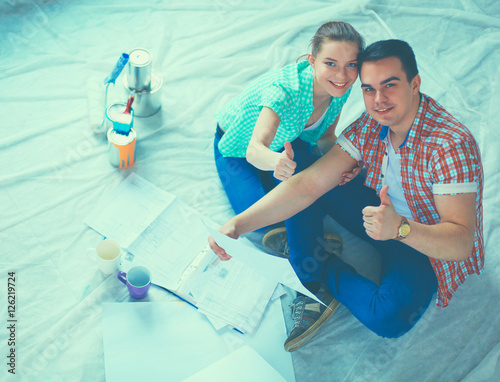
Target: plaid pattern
[[289, 92], [438, 157]]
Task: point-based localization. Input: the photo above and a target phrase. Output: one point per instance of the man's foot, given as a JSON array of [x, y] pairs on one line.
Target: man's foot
[[277, 241], [308, 317]]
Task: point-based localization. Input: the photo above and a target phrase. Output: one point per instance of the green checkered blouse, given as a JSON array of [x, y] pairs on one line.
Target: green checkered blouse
[[289, 92]]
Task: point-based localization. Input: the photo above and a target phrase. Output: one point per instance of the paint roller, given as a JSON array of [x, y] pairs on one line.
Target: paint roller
[[94, 95]]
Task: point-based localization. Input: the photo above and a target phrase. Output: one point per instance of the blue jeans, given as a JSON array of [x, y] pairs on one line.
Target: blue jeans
[[243, 183], [408, 281]]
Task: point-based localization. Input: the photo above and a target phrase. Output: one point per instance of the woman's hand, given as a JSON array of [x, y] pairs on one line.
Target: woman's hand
[[227, 229], [285, 167], [348, 176]]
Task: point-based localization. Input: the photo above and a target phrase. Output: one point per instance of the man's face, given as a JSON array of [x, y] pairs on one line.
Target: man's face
[[389, 98]]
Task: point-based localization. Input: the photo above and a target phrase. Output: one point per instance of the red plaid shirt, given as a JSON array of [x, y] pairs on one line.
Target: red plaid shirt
[[438, 157]]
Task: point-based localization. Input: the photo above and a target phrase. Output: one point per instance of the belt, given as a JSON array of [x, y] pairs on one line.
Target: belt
[[219, 131]]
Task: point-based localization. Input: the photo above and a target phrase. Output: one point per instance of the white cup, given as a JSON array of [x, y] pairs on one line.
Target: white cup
[[107, 255]]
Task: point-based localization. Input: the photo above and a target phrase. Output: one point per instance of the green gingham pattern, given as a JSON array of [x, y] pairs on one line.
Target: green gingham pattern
[[289, 92]]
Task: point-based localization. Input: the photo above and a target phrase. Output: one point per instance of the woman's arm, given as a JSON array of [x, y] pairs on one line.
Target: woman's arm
[[258, 153]]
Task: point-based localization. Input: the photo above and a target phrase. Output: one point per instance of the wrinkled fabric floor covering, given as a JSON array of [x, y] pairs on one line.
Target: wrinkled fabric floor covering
[[55, 169]]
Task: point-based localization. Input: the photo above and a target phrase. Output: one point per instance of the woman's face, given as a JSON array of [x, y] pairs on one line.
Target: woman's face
[[335, 68]]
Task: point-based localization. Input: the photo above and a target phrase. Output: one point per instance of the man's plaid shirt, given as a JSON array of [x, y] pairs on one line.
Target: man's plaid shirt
[[438, 157]]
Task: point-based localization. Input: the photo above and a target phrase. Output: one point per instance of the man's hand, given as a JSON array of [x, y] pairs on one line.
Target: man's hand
[[285, 167], [382, 222], [227, 229], [218, 250], [348, 176]]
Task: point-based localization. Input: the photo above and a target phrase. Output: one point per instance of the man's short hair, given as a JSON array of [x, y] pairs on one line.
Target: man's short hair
[[391, 48]]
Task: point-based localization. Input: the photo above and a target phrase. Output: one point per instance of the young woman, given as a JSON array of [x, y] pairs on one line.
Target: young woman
[[283, 114]]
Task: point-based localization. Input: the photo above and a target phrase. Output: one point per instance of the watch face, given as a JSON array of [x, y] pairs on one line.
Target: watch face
[[404, 230]]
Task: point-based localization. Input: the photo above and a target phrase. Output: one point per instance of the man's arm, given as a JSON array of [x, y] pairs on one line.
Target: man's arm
[[289, 197], [327, 141], [299, 192], [450, 240]]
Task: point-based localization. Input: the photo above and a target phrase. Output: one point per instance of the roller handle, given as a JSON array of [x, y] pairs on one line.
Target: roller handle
[[120, 64]]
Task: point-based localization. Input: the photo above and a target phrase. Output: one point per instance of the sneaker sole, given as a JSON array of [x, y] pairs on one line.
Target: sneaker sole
[[304, 338], [280, 230], [271, 233]]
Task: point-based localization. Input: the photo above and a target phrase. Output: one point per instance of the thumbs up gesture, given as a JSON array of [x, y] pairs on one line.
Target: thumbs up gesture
[[285, 167], [382, 222]]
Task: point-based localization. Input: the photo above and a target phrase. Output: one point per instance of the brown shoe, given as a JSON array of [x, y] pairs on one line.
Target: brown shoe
[[309, 316], [276, 241]]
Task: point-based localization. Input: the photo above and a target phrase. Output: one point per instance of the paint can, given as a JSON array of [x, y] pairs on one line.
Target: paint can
[[114, 114], [139, 69], [148, 101], [121, 148]]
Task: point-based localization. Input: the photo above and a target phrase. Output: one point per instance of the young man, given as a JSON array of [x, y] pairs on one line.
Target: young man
[[420, 205]]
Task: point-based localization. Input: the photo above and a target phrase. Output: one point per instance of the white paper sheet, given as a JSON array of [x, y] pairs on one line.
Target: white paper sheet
[[171, 341], [274, 268], [232, 292], [111, 217], [242, 365], [171, 242]]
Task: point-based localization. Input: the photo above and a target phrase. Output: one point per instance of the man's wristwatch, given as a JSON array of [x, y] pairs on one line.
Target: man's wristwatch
[[404, 229]]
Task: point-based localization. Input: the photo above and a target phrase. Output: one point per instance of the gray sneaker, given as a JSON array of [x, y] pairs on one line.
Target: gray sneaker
[[308, 317], [276, 241]]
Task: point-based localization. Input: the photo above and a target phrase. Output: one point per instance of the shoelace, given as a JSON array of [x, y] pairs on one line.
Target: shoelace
[[284, 247], [296, 309]]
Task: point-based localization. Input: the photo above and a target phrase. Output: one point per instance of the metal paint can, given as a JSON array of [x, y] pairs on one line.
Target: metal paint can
[[115, 111], [139, 69], [148, 101], [121, 148]]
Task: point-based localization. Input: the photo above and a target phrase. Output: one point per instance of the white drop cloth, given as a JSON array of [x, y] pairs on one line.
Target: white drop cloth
[[54, 169]]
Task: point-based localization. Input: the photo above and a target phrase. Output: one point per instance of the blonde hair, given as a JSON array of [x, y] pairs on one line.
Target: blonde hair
[[335, 31]]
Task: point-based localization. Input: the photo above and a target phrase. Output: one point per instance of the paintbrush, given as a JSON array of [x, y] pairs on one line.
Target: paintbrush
[[123, 122]]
